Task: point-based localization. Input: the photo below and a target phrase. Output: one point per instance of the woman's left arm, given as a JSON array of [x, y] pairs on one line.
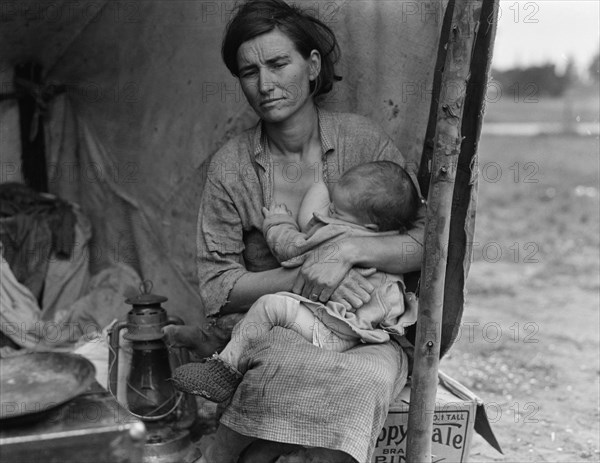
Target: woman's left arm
[[391, 253]]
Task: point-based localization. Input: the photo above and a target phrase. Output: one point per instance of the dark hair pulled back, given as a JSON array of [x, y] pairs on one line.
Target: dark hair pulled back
[[257, 17]]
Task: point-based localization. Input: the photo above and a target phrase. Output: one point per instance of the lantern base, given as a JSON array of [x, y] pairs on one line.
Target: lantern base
[[166, 445]]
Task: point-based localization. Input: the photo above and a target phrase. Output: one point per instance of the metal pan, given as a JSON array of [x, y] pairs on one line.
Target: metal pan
[[32, 384]]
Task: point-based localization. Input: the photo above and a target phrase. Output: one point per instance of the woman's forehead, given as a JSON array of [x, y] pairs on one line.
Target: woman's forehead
[[265, 47]]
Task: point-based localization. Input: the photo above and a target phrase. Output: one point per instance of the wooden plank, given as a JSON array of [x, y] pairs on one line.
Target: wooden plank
[[447, 143]]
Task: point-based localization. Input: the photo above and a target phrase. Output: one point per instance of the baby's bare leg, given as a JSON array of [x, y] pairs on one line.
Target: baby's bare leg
[[268, 311]]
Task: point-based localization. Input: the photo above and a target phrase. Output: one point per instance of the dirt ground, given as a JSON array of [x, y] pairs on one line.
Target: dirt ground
[[529, 344]]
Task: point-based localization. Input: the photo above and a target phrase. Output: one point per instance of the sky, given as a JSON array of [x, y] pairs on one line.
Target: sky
[[541, 31]]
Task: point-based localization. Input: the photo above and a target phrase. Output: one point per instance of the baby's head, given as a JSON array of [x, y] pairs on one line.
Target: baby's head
[[379, 195]]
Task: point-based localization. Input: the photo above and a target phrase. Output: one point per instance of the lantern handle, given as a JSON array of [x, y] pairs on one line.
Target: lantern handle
[[146, 287], [113, 355]]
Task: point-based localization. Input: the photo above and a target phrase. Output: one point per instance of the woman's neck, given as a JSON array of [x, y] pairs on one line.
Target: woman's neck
[[293, 136]]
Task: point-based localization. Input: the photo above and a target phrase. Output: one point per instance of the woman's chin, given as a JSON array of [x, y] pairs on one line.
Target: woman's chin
[[277, 115], [274, 115]]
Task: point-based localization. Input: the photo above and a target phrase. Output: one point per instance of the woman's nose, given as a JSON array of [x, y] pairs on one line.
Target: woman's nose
[[265, 81]]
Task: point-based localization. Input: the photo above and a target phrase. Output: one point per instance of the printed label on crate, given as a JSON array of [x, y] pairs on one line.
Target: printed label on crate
[[450, 429]]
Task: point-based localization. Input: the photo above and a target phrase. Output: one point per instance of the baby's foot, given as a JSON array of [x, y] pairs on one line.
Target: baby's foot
[[213, 379]]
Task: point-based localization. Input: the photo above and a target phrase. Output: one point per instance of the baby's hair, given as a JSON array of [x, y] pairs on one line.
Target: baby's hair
[[384, 192]]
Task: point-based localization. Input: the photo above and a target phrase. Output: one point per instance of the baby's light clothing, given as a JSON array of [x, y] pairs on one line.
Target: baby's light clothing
[[288, 312], [390, 310]]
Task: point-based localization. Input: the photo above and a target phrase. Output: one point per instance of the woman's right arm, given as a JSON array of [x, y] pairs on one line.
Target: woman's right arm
[[252, 285], [225, 285]]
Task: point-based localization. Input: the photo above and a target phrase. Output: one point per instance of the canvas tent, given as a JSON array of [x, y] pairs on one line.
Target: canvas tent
[[147, 100], [133, 98]]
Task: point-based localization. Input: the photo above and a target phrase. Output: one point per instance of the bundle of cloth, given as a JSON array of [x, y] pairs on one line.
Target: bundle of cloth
[[48, 298], [33, 228]]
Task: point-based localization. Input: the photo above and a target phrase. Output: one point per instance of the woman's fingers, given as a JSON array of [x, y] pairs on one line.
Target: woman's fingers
[[347, 298], [306, 290], [326, 294], [312, 292], [355, 290], [320, 280], [320, 274], [298, 286], [316, 294], [356, 277], [356, 295]]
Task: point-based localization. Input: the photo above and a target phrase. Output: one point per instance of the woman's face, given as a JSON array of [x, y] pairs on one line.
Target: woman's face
[[274, 76]]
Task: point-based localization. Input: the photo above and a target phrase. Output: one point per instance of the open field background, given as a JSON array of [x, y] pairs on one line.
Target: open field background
[[529, 345]]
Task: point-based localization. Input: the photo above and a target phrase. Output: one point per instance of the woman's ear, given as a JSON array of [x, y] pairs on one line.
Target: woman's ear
[[314, 64]]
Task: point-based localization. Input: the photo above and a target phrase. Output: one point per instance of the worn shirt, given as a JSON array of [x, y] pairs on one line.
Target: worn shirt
[[239, 183]]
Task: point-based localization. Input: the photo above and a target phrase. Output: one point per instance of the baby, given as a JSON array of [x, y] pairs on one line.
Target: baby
[[372, 199]]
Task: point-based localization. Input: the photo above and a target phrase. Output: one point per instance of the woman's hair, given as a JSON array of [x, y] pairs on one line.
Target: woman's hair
[[257, 17], [383, 192]]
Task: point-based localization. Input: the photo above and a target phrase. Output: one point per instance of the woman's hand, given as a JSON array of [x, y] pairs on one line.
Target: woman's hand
[[329, 275], [355, 290]]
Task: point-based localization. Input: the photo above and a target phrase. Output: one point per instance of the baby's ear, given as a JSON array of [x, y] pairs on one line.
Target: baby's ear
[[372, 226]]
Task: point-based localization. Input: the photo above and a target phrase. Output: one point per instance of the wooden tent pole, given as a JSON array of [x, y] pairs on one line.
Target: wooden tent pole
[[447, 142]]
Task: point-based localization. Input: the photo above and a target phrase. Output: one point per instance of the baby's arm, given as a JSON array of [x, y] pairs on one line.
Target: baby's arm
[[281, 231], [276, 209], [316, 199]]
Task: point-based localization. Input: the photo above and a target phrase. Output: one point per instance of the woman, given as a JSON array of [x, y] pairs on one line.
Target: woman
[[294, 393]]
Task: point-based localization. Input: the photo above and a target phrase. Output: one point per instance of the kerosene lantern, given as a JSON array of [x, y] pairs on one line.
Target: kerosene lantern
[[151, 397]]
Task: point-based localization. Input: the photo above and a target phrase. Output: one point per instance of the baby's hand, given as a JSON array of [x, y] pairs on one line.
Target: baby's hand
[[276, 209]]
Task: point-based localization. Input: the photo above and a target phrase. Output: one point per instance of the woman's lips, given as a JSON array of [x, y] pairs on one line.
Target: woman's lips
[[269, 102]]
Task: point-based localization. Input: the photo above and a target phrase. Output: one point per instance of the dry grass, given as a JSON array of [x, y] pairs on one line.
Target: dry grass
[[526, 105], [530, 343]]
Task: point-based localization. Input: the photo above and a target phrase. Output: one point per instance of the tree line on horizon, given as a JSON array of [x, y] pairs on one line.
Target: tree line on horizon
[[548, 80]]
